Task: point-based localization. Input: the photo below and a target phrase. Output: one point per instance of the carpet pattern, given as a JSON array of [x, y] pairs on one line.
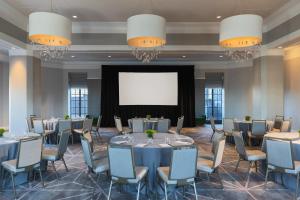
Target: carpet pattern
[[78, 184]]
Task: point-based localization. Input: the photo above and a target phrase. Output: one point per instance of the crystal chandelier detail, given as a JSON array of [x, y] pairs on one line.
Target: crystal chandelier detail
[[50, 34], [146, 34], [241, 36]]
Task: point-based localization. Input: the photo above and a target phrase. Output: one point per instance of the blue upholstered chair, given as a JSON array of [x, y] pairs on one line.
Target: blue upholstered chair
[[123, 169], [163, 125], [180, 173], [29, 157], [137, 125], [55, 153]]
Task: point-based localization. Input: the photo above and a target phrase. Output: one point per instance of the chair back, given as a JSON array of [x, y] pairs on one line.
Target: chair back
[[212, 124], [228, 125], [239, 144], [163, 125], [118, 124], [63, 125], [278, 121], [99, 122], [279, 154], [121, 162], [38, 125], [183, 170], [137, 125], [219, 152], [87, 152], [259, 127], [286, 126], [215, 140], [87, 124], [30, 152], [29, 124], [179, 124], [63, 141]]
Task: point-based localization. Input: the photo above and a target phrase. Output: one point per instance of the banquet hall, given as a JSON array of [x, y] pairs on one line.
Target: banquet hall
[[149, 99]]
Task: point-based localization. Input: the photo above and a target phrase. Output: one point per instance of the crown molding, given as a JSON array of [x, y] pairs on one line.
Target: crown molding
[[283, 14], [13, 15]]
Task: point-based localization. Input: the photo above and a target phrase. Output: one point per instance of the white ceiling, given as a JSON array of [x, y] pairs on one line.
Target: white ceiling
[[172, 10]]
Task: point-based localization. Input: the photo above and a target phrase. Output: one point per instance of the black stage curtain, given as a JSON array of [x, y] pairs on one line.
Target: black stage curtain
[[110, 96]]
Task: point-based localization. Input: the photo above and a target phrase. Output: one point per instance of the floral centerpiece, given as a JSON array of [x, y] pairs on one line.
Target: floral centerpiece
[[150, 133], [1, 132], [247, 118], [66, 117]]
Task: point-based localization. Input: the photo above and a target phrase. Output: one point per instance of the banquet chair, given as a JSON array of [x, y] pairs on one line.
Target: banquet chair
[[29, 124], [63, 125], [163, 125], [286, 126], [96, 129], [280, 158], [57, 152], [228, 126], [39, 128], [179, 126], [251, 156], [180, 173], [28, 158], [215, 140], [87, 125], [212, 166], [259, 128], [277, 123], [98, 166], [137, 125], [95, 154], [119, 126], [213, 127], [127, 174]]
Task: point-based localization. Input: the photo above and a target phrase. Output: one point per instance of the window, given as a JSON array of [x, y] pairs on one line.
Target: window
[[78, 102], [214, 103]]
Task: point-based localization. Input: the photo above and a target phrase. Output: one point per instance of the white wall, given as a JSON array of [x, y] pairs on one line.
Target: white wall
[[4, 94]]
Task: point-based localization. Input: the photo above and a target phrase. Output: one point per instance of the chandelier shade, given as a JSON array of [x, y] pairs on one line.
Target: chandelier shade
[[49, 29], [241, 31], [146, 31]]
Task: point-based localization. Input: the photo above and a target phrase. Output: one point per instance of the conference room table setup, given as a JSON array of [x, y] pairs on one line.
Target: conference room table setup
[[152, 152]]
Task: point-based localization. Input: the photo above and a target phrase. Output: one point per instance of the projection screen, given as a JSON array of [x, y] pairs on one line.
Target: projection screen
[[148, 88]]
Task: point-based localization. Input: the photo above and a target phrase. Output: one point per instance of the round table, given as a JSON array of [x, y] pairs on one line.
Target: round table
[[152, 155]]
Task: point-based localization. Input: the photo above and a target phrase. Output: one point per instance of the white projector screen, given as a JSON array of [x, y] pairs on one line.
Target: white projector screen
[[148, 88]]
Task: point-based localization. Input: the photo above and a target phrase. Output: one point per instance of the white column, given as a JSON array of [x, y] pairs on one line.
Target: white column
[[21, 90], [268, 86]]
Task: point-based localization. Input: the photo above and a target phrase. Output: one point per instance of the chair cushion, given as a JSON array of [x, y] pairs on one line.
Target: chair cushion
[[101, 165], [205, 165], [50, 154], [11, 165], [254, 136], [275, 130], [289, 171], [140, 173], [206, 155], [79, 131], [164, 175], [254, 155], [97, 155]]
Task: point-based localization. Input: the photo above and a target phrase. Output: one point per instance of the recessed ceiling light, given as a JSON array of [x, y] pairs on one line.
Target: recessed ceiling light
[[219, 17], [280, 47], [109, 56], [75, 16], [183, 56], [73, 56]]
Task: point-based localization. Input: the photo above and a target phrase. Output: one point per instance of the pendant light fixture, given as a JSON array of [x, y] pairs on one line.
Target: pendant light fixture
[[50, 34], [146, 33], [241, 36]]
